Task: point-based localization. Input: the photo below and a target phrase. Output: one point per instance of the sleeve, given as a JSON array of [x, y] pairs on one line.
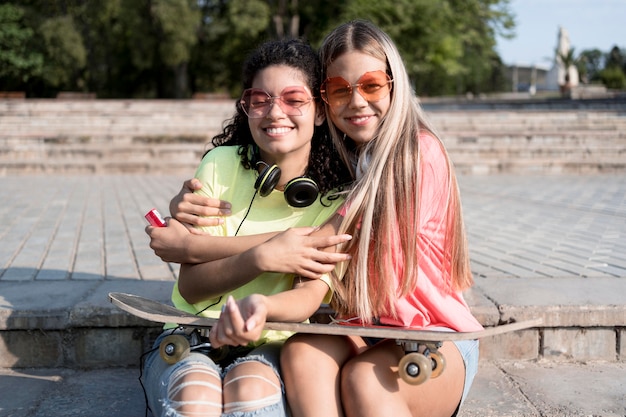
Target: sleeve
[[435, 182], [206, 173]]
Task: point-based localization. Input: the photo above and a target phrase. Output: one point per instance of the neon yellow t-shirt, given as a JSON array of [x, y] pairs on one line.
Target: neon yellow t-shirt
[[223, 177]]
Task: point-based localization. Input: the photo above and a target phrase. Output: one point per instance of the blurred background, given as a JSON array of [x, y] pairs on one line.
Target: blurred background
[[186, 48]]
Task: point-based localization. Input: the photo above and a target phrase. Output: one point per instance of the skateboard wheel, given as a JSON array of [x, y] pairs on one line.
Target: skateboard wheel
[[414, 368], [438, 364], [174, 348]]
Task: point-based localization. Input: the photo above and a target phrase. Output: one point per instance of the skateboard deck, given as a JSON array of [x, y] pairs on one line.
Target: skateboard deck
[[411, 367]]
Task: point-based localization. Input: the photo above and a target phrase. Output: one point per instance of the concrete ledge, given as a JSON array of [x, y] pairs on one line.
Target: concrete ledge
[[75, 325], [560, 302]]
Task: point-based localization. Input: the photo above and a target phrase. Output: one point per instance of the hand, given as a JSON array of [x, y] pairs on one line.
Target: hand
[[193, 209], [170, 243], [240, 323], [294, 251]]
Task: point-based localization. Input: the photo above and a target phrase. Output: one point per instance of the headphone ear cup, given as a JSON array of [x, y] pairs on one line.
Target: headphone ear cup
[[267, 180], [301, 192]]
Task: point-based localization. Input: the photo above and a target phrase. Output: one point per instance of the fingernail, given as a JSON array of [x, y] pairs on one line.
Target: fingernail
[[250, 325]]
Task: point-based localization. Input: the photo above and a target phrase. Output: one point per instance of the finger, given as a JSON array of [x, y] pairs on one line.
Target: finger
[[237, 323], [252, 322], [197, 231], [317, 272], [220, 333], [214, 337], [205, 205], [329, 241], [193, 184], [193, 220], [224, 206], [325, 258]]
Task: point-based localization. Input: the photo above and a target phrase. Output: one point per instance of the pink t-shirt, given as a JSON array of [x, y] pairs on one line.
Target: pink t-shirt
[[433, 303]]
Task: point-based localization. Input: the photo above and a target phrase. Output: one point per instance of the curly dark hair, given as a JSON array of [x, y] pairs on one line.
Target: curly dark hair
[[325, 166]]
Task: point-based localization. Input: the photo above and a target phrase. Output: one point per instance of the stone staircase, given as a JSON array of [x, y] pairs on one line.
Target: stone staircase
[[169, 137], [533, 141], [107, 136]]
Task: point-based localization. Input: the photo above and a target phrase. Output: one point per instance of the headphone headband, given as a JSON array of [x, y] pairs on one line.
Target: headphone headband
[[299, 192]]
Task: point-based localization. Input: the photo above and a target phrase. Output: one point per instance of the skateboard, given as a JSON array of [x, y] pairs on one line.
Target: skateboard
[[421, 361]]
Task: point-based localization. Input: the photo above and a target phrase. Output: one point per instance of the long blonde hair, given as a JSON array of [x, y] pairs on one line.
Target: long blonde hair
[[384, 203]]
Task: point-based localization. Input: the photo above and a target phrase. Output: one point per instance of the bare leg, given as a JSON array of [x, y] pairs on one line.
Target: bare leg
[[249, 386], [196, 391], [311, 367], [370, 385]]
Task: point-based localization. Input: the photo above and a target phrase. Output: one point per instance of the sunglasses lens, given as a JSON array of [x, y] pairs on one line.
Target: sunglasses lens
[[256, 103], [373, 86], [336, 91], [291, 101]]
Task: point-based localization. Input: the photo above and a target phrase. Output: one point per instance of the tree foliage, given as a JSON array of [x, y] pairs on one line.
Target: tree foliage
[[18, 61], [175, 48], [65, 53]]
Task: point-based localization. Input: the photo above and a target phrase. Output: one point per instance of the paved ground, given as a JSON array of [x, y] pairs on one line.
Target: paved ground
[[502, 389], [552, 245]]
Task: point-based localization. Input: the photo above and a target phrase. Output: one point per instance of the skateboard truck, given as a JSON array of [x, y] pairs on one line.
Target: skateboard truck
[[176, 347], [420, 362]]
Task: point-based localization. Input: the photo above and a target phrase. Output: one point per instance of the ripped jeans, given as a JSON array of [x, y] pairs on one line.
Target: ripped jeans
[[164, 383]]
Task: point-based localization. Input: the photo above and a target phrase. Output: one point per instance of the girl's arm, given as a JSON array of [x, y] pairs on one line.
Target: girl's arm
[[196, 210], [189, 244], [175, 243], [242, 321], [307, 252]]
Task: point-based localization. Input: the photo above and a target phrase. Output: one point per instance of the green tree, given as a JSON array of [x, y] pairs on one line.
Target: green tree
[[228, 32], [18, 61], [590, 63], [448, 45], [172, 48], [615, 59], [65, 54], [613, 75], [156, 37]]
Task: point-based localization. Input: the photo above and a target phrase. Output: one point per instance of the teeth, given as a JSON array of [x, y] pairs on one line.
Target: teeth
[[359, 119], [277, 130]]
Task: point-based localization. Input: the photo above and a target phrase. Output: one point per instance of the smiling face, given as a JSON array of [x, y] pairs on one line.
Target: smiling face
[[359, 118], [279, 135]]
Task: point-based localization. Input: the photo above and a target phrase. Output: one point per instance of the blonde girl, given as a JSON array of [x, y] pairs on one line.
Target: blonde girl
[[409, 252]]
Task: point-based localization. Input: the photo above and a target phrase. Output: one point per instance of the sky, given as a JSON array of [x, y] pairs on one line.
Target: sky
[[591, 24]]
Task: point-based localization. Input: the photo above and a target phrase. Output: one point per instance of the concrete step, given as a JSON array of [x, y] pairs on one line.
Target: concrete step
[[75, 326], [167, 136]]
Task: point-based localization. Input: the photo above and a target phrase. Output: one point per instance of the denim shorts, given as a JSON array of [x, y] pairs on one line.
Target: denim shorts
[[469, 352], [157, 373]]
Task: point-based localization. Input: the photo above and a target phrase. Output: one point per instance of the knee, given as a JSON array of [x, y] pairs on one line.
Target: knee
[[356, 380], [249, 386], [195, 389]]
